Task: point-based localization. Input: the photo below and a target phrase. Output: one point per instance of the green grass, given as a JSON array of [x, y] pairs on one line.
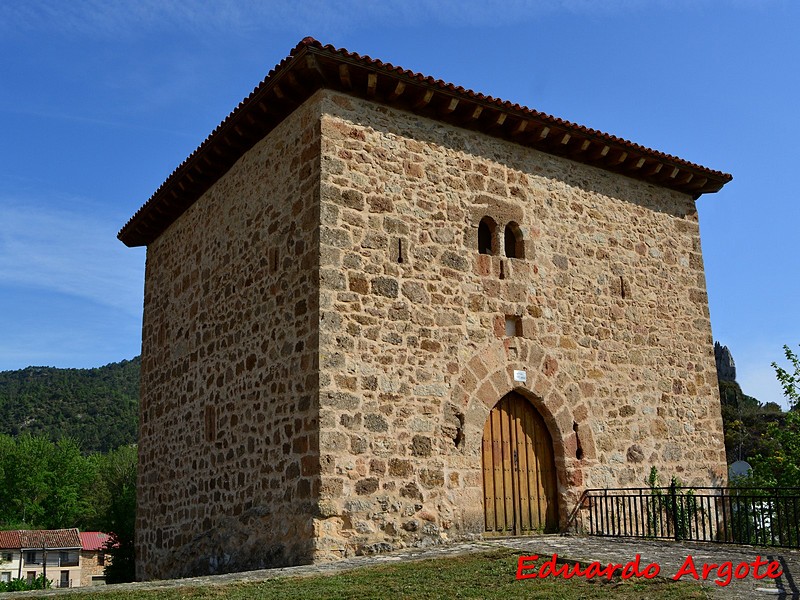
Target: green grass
[[490, 575]]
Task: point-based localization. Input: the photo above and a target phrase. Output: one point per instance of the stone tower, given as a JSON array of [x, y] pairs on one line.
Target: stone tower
[[382, 310]]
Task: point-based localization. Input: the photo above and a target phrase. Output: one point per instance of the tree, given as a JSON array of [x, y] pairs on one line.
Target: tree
[[70, 478], [28, 476], [117, 497], [779, 464], [789, 381]]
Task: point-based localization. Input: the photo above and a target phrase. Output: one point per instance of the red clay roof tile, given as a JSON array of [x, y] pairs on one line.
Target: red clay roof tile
[[9, 540], [92, 541], [50, 538]]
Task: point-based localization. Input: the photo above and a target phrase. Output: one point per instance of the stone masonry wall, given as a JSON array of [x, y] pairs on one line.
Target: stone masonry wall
[[91, 567], [229, 455], [610, 295]]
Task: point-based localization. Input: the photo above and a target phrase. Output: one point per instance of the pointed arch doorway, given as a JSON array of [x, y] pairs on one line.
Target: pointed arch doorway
[[519, 475]]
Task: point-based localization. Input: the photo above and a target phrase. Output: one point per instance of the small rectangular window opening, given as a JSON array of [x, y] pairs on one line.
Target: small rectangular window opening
[[513, 326]]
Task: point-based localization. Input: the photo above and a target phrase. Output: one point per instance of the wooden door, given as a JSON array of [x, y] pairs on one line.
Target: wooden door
[[519, 475]]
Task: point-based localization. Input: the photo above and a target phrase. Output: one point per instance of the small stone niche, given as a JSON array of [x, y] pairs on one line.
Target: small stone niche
[[513, 326]]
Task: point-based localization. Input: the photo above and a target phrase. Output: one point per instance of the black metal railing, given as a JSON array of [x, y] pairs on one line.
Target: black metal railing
[[756, 516]]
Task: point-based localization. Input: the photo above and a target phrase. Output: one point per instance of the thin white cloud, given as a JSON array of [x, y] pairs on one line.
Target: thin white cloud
[[62, 116], [121, 18], [70, 252]]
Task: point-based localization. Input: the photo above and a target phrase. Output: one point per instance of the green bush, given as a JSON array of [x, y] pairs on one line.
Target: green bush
[[22, 585]]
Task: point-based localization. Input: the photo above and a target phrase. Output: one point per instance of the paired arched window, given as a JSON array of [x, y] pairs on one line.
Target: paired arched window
[[514, 245], [513, 241], [486, 229]]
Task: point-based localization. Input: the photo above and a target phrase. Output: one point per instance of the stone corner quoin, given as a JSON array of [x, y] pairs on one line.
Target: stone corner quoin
[[360, 335]]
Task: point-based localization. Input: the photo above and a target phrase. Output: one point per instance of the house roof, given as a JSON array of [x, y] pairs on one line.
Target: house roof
[[311, 66], [9, 540], [93, 540], [35, 539]]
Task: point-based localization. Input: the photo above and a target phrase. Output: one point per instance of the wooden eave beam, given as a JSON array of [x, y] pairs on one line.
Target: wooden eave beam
[[599, 153], [314, 67], [372, 84], [449, 107], [544, 132], [553, 140], [468, 114], [697, 183], [579, 148], [295, 84], [635, 165], [344, 77], [616, 159], [653, 170], [228, 142], [423, 100], [397, 91], [246, 136], [268, 109], [520, 128]]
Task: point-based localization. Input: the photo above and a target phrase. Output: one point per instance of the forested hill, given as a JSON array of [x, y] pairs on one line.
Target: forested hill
[[98, 408]]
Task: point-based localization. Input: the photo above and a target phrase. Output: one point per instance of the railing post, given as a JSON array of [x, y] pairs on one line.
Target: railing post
[[674, 498], [777, 519]]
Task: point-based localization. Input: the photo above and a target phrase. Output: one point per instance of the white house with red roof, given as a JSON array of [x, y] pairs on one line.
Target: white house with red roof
[[27, 554], [65, 556]]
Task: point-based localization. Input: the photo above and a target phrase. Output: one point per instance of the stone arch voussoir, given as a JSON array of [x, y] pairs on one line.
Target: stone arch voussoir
[[488, 375]]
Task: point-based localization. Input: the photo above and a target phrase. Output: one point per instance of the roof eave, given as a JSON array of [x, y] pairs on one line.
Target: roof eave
[[312, 66]]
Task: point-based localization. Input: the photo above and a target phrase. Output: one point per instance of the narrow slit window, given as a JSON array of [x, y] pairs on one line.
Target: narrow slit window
[[398, 249], [211, 423], [486, 229], [579, 448], [273, 259]]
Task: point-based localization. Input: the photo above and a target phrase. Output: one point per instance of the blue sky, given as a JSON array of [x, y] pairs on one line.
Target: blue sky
[[101, 100]]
